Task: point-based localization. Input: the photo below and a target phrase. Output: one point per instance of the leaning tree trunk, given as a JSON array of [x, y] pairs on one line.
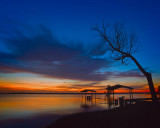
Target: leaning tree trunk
[[148, 77], [151, 86]]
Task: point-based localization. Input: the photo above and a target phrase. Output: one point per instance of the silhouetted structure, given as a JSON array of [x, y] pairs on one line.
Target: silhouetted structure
[[88, 97], [159, 91], [110, 90], [122, 45]]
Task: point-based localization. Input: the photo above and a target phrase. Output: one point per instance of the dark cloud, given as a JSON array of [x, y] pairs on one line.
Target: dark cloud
[[130, 73], [44, 54], [8, 70], [143, 86], [39, 51], [86, 85]]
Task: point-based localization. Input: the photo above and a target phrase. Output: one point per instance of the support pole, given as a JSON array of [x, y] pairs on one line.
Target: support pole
[[95, 98], [130, 93], [113, 96]]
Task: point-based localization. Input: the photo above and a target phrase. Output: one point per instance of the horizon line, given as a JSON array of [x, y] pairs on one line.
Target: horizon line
[[79, 93]]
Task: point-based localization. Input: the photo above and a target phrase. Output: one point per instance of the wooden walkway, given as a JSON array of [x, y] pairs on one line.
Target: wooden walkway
[[139, 99]]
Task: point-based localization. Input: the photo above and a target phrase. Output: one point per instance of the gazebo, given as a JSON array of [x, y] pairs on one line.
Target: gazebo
[[88, 90], [110, 90]]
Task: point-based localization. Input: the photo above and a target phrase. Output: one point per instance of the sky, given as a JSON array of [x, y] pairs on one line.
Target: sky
[[49, 46]]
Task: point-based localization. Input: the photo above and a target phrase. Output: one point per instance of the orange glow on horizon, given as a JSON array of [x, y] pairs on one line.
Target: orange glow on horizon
[[50, 87]]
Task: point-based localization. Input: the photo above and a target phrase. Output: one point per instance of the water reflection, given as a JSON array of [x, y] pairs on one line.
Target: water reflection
[[88, 101], [26, 105]]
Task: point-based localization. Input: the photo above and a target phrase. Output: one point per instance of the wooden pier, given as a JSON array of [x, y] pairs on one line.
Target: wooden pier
[[140, 99]]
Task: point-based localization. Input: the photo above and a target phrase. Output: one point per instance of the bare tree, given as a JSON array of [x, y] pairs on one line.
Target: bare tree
[[122, 44]]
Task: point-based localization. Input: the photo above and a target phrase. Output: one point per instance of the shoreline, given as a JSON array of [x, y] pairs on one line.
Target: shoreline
[[139, 115], [37, 121]]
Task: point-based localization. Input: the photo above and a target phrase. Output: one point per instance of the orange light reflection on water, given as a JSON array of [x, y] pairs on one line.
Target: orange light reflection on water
[[24, 105], [37, 101]]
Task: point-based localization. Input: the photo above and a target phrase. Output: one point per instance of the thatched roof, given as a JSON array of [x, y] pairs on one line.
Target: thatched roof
[[117, 87], [87, 90]]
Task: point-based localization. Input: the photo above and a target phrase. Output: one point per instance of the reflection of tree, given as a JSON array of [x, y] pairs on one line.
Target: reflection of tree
[[109, 100], [122, 45]]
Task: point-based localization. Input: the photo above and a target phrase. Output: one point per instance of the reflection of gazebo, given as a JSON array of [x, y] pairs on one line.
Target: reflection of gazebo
[[91, 92], [110, 90], [88, 97]]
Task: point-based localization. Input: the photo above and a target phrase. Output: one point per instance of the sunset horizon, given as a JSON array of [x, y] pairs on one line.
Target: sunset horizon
[[79, 63], [60, 52]]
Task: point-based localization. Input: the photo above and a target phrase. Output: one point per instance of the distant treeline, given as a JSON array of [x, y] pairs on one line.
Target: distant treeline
[[78, 93]]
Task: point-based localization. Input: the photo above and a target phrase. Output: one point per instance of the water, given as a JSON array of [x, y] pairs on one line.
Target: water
[[19, 106]]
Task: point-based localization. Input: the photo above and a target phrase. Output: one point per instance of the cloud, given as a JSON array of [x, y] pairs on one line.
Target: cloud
[[8, 70], [44, 54], [39, 51], [86, 85], [130, 73], [3, 89], [90, 85], [140, 87]]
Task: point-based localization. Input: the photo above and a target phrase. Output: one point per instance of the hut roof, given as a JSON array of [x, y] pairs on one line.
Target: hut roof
[[87, 90], [117, 87]]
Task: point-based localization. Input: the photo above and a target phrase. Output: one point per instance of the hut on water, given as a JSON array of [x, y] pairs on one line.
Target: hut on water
[[110, 90], [88, 94]]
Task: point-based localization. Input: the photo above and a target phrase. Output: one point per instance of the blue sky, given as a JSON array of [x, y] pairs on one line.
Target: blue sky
[[52, 40]]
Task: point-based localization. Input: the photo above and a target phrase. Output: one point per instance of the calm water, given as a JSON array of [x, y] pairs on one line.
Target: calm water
[[15, 106]]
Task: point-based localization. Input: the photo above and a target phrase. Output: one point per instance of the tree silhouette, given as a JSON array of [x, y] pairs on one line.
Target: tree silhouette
[[122, 44]]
